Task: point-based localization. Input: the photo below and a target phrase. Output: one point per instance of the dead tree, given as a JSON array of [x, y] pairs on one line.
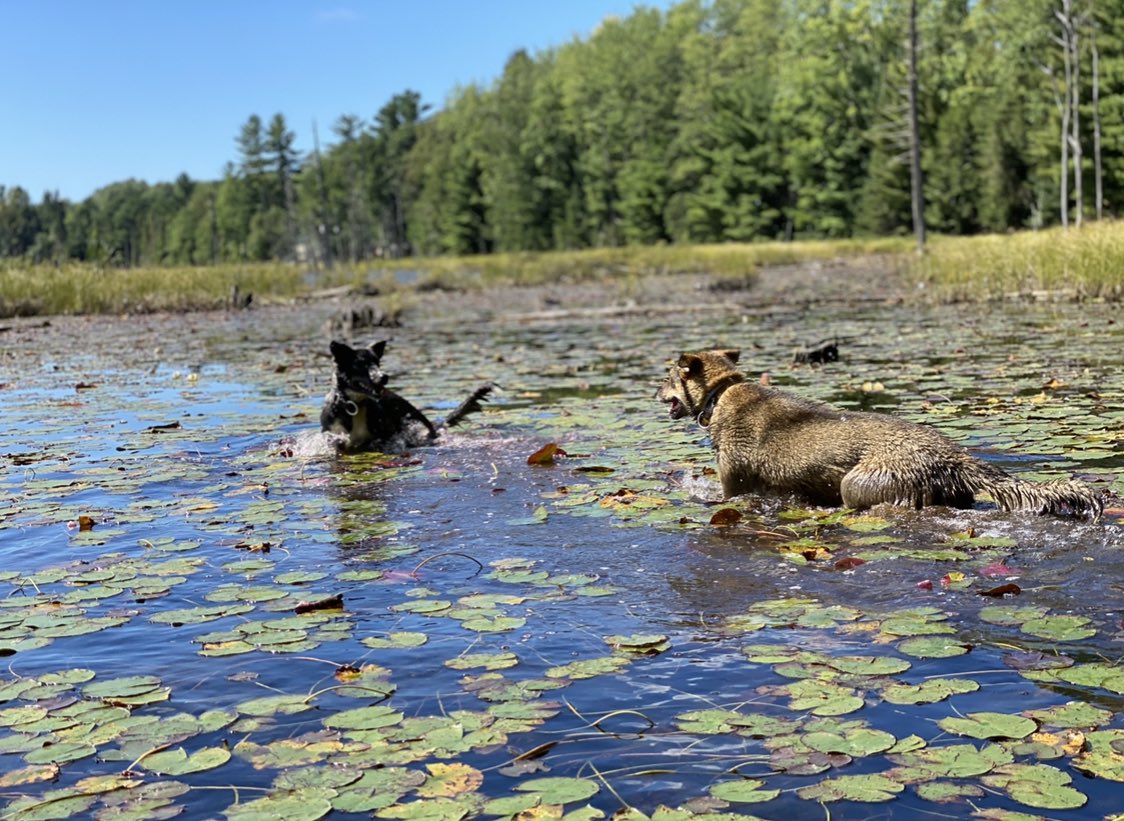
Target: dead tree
[[915, 179], [1098, 172]]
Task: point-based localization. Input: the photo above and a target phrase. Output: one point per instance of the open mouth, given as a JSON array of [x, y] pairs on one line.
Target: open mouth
[[674, 406]]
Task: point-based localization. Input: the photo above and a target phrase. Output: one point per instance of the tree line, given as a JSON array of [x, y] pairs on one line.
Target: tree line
[[716, 120]]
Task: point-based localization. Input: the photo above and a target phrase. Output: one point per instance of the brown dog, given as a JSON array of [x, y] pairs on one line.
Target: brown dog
[[768, 440]]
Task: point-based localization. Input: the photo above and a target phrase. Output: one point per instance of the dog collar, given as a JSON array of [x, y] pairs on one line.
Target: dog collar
[[711, 401]]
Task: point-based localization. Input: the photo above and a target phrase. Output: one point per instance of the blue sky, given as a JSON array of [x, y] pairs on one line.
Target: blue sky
[[98, 91]]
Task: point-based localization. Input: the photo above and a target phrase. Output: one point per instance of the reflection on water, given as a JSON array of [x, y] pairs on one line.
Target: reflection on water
[[483, 588]]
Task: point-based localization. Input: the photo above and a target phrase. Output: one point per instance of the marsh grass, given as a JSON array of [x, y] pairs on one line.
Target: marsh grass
[[27, 290], [1054, 263], [728, 260]]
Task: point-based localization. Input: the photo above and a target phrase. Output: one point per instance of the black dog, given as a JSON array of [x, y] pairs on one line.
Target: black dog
[[372, 416]]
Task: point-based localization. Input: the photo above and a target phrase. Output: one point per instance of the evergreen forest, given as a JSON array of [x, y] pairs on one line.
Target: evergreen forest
[[717, 120]]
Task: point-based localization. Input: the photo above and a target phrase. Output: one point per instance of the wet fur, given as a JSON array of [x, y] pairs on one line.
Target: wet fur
[[369, 416], [768, 440]]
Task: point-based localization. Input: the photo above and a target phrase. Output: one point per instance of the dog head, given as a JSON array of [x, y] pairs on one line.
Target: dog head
[[358, 375], [693, 377]]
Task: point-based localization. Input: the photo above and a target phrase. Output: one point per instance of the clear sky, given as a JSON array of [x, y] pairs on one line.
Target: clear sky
[[100, 91]]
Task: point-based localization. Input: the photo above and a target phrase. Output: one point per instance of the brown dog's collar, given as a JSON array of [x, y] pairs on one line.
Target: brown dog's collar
[[711, 400]]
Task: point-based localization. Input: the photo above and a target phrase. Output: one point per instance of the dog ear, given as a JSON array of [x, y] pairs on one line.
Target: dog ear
[[732, 354], [341, 353], [377, 349], [690, 364]]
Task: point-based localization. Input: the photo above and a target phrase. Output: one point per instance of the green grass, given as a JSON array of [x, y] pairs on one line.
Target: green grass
[[28, 290], [1055, 263], [734, 260]]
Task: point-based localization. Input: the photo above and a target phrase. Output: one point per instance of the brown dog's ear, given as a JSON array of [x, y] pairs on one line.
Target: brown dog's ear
[[690, 364], [731, 354]]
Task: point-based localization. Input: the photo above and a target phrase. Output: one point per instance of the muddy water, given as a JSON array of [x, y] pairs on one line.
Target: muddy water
[[170, 512]]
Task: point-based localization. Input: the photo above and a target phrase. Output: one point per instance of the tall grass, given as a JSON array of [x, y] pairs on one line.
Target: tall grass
[[1054, 263], [27, 290], [82, 289], [1076, 264], [724, 260]]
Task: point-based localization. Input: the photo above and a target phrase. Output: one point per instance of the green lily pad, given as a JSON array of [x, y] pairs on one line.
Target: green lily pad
[[1059, 628], [744, 791], [932, 647], [928, 692], [1071, 715], [364, 718], [300, 805], [865, 788], [857, 743], [1037, 785], [989, 725], [178, 762], [559, 790], [399, 640]]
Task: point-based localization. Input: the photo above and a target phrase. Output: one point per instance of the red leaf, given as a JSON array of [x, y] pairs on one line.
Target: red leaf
[[996, 570], [925, 585], [545, 455], [849, 563], [1002, 590], [726, 516], [83, 386]]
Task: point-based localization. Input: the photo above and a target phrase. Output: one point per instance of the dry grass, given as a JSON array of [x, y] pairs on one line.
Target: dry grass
[[1086, 263]]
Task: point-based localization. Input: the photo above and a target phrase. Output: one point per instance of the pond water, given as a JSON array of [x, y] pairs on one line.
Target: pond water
[[208, 612]]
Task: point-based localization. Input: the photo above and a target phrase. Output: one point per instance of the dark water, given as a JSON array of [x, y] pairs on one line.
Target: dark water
[[218, 512]]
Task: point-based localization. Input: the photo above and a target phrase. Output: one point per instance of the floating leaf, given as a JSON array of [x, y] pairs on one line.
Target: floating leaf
[[545, 455], [300, 805], [450, 780], [559, 790], [364, 718], [858, 742], [928, 692], [397, 640], [725, 517], [865, 788], [1037, 785], [178, 762], [989, 725], [1071, 714], [744, 791], [933, 647], [1059, 628]]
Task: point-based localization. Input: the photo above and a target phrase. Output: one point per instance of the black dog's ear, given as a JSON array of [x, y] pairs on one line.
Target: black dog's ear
[[690, 364], [732, 354], [377, 349], [342, 353]]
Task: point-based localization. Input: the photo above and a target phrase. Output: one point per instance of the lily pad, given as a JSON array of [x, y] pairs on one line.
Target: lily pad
[[989, 725], [864, 788]]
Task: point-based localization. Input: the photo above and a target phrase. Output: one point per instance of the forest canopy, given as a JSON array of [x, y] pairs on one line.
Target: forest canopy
[[710, 122]]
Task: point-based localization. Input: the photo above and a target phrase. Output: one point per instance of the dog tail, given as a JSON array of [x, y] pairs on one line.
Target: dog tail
[[469, 405], [1063, 497]]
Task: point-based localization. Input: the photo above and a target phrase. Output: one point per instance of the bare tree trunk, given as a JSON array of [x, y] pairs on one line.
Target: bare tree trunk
[[915, 178], [1098, 174], [1062, 98], [322, 224], [1075, 119], [214, 229]]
